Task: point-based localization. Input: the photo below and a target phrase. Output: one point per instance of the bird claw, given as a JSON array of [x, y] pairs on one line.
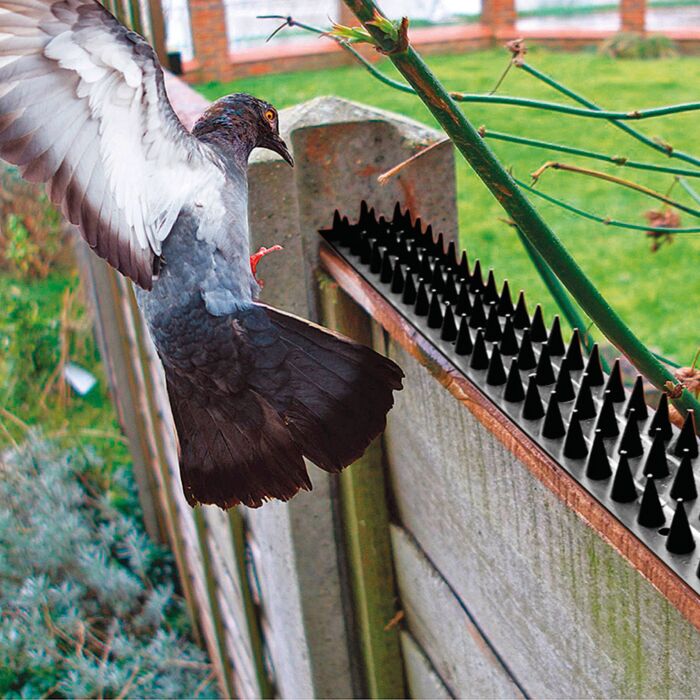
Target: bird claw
[[257, 257]]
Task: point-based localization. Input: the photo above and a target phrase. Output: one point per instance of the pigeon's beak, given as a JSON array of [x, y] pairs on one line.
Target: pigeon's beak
[[277, 144]]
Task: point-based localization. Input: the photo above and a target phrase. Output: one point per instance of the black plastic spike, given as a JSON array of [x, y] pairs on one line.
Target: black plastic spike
[[439, 245], [449, 327], [435, 315], [413, 258], [451, 255], [607, 420], [509, 341], [505, 302], [656, 463], [553, 427], [497, 373], [574, 355], [631, 442], [397, 279], [397, 216], [409, 289], [437, 281], [491, 290], [480, 356], [476, 280], [555, 341], [594, 368], [623, 488], [680, 537], [464, 303], [477, 319], [514, 391], [337, 221], [636, 400], [584, 399], [687, 440], [598, 464], [363, 214], [538, 331], [615, 385], [425, 270], [544, 373], [521, 317], [355, 238], [532, 409], [651, 513], [660, 420], [575, 444], [565, 387], [375, 262], [463, 271], [526, 355], [422, 300], [493, 325], [365, 248], [684, 487], [387, 271], [464, 344], [450, 292]]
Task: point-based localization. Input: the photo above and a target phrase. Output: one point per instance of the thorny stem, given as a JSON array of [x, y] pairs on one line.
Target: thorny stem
[[554, 165], [602, 219], [503, 187], [622, 161], [664, 148]]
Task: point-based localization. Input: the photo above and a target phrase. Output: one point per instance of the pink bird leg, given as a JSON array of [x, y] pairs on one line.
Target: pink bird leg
[[257, 257]]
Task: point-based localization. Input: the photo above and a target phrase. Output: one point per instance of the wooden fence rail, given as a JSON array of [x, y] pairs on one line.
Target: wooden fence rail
[[441, 564]]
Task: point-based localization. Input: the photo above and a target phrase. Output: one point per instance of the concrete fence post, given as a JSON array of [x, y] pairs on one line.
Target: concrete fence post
[[633, 16]]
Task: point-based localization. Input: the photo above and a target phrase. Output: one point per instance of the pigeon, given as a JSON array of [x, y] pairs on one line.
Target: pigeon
[[253, 390]]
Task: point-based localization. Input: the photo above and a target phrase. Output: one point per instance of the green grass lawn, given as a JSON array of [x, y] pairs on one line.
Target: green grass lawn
[[656, 293]]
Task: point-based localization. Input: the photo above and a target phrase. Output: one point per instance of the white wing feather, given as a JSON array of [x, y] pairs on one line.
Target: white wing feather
[[83, 108]]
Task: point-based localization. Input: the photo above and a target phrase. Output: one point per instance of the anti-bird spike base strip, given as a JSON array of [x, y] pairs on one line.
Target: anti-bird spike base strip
[[631, 458]]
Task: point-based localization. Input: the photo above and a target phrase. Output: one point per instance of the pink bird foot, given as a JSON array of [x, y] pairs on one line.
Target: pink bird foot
[[257, 257]]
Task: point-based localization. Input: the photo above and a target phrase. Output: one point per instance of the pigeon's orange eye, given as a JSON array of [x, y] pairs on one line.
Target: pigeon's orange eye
[[270, 115]]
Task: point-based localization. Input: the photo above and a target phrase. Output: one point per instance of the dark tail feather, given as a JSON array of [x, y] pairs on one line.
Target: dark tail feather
[[340, 391]]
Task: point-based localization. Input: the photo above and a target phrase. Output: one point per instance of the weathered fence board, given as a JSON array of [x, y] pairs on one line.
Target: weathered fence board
[[422, 680]]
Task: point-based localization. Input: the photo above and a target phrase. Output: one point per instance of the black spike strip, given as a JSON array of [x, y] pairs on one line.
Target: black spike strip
[[680, 537], [623, 488], [687, 440], [651, 512], [631, 441], [575, 444], [427, 284], [464, 344], [480, 355], [449, 326], [636, 400], [594, 368], [538, 331], [532, 408], [574, 355], [555, 341], [521, 317], [660, 420], [607, 420], [491, 291], [598, 464], [496, 374], [544, 374], [526, 355], [584, 399], [493, 325], [509, 341], [655, 462], [514, 392], [505, 302], [615, 385], [684, 487], [477, 318], [435, 315], [565, 387], [553, 426]]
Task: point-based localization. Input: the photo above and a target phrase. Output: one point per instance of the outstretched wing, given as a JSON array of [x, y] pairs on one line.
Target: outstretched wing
[[83, 108]]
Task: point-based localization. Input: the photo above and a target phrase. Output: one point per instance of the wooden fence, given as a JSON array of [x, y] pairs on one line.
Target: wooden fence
[[453, 560]]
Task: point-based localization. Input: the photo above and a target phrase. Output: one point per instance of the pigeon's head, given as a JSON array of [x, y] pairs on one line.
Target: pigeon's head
[[248, 119]]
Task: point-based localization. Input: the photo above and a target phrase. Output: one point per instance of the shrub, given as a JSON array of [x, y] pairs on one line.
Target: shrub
[[88, 608], [630, 45]]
